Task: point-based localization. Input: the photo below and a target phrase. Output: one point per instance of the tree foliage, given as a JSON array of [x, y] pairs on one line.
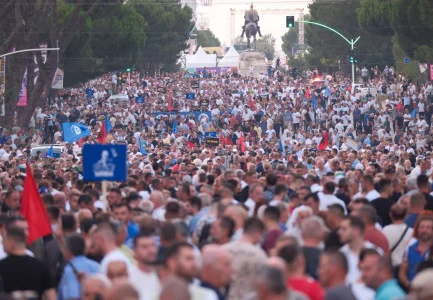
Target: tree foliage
[[167, 27], [408, 21], [93, 39], [290, 39], [265, 44], [372, 49], [206, 38]]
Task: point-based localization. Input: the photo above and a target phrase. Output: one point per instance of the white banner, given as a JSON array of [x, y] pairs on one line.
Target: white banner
[[58, 80], [2, 85]]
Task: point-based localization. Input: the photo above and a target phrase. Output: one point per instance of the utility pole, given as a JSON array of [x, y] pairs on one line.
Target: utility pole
[[351, 42]]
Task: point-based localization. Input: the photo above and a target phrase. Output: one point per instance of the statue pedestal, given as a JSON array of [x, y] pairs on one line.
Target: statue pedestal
[[252, 63]]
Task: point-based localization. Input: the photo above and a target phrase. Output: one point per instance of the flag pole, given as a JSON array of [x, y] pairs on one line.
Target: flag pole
[[104, 196]]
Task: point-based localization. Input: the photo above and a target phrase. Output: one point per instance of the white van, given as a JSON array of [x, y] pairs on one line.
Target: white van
[[57, 150]]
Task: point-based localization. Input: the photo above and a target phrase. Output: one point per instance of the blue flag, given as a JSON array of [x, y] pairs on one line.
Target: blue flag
[[282, 148], [73, 131], [174, 128], [108, 126], [413, 114], [142, 150], [50, 152], [327, 92], [313, 100]]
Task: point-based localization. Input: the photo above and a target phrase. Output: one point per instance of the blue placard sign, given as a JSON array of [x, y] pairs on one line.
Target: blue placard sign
[[210, 134], [139, 99], [190, 96], [104, 162], [406, 60]]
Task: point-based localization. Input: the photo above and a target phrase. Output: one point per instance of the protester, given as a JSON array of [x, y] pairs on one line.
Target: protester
[[239, 165]]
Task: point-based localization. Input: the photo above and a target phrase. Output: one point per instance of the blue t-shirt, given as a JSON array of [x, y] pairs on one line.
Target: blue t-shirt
[[389, 290], [413, 258], [69, 286], [411, 220]]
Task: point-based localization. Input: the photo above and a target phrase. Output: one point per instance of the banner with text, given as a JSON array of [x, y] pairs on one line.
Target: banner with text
[[57, 83], [2, 85], [22, 97]]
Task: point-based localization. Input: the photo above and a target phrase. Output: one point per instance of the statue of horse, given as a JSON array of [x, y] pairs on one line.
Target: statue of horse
[[251, 31]]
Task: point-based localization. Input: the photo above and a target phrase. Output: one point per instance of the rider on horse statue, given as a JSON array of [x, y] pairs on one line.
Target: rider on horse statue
[[251, 16]]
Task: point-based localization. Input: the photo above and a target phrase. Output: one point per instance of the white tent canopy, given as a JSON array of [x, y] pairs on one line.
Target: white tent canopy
[[230, 59], [201, 60]]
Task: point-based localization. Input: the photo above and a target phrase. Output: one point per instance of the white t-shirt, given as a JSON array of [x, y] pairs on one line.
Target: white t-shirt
[[146, 284], [393, 232], [353, 273], [327, 200], [115, 255], [296, 117]]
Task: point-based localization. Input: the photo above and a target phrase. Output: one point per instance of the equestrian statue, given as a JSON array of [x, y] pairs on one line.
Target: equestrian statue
[[251, 25]]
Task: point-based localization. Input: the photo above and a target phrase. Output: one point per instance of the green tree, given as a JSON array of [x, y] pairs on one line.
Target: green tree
[[290, 39], [167, 27], [206, 38], [23, 25], [265, 44], [409, 22], [372, 49]]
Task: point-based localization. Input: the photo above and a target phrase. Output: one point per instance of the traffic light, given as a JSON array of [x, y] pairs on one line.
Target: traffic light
[[128, 69], [290, 21], [353, 58]]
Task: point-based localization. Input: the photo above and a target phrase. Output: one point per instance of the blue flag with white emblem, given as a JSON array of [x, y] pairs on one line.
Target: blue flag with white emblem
[[50, 152], [142, 150], [73, 131], [313, 101]]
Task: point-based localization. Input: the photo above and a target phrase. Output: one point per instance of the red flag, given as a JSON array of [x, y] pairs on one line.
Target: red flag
[[307, 93], [33, 209], [190, 144], [102, 135], [80, 142], [399, 106], [241, 143], [324, 142], [170, 102], [253, 106]]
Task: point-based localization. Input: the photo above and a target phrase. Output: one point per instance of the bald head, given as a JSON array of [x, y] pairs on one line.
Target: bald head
[[278, 263], [122, 289], [174, 288], [60, 200], [216, 265], [93, 286], [157, 198], [213, 254], [85, 214]]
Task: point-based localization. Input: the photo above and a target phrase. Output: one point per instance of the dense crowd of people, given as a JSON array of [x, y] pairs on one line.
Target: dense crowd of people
[[308, 190]]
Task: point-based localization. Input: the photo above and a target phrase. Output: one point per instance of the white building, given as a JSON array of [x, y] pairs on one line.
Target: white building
[[225, 18]]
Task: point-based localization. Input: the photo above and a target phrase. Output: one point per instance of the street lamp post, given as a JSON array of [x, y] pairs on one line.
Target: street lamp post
[[29, 50], [351, 42]]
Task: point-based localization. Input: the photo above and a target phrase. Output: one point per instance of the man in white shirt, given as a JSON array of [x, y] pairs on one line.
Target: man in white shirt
[[181, 262], [143, 276], [368, 190], [104, 238], [255, 195], [328, 198], [351, 234]]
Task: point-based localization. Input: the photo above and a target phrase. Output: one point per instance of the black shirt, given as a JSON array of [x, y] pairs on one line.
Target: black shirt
[[429, 201], [25, 273], [312, 256], [382, 206], [332, 241]]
